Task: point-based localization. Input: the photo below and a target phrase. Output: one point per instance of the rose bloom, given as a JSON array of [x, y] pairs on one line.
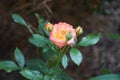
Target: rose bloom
[[59, 32]]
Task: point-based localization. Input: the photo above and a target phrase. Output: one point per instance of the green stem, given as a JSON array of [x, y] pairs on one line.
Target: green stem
[[29, 28], [59, 59], [67, 49], [60, 54]]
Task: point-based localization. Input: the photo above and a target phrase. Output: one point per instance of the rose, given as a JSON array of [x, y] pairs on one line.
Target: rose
[[60, 31], [49, 26], [79, 30]]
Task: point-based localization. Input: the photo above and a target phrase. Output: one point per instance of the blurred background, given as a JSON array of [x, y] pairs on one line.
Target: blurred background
[[101, 16]]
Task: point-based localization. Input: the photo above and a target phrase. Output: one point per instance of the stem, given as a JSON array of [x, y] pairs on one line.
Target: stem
[[29, 28], [59, 59], [60, 54], [67, 48]]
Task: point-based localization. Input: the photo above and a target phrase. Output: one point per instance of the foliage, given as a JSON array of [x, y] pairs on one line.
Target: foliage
[[107, 77], [54, 56], [114, 36]]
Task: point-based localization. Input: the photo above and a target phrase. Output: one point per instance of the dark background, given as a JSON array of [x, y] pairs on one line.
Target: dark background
[[101, 16]]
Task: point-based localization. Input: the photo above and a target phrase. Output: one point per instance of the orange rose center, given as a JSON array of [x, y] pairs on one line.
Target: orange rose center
[[61, 34]]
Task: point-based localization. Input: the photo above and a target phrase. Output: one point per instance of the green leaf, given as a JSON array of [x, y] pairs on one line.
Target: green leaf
[[114, 36], [63, 76], [40, 18], [68, 36], [107, 77], [39, 41], [26, 73], [8, 66], [76, 56], [47, 77], [49, 54], [19, 57], [54, 71], [36, 64], [31, 74], [18, 19], [90, 39], [52, 60], [64, 61], [41, 27], [105, 71]]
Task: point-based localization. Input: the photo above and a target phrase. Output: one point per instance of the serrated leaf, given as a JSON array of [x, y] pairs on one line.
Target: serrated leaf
[[76, 56], [31, 74], [8, 66], [19, 57], [18, 19], [107, 77], [90, 39], [64, 61], [39, 41]]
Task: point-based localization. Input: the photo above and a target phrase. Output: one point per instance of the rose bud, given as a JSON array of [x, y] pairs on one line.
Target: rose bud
[[49, 26], [79, 30]]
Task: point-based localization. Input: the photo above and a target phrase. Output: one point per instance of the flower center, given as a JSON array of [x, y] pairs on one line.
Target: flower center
[[61, 34]]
